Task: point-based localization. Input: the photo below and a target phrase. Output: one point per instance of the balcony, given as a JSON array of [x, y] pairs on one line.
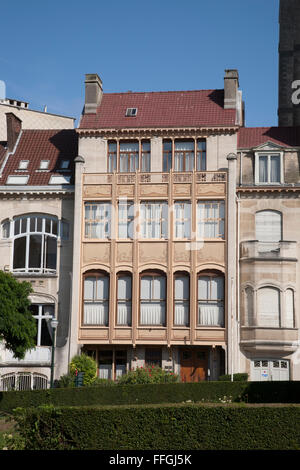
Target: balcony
[[39, 355], [255, 250], [256, 338]]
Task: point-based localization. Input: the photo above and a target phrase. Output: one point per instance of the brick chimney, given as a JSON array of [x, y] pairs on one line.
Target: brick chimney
[[231, 85], [93, 93], [14, 127]]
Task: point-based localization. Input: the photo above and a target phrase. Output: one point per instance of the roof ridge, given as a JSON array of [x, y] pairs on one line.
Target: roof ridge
[[161, 91]]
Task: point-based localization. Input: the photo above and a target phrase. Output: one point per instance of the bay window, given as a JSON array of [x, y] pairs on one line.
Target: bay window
[[96, 299], [153, 299], [210, 300]]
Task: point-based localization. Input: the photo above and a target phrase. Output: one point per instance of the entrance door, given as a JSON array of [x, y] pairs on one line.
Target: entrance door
[[193, 365]]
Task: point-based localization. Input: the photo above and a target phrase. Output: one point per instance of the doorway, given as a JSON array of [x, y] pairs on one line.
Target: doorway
[[193, 364]]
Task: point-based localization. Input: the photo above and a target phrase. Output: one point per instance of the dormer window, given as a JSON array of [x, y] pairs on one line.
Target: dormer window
[[64, 164], [44, 164], [268, 168], [131, 112], [23, 165]]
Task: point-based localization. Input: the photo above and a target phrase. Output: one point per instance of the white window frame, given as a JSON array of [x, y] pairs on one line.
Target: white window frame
[[102, 223], [40, 317], [24, 222], [268, 154]]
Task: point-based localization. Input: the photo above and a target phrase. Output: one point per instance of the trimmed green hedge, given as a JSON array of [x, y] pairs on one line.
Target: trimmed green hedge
[[161, 427], [251, 392], [236, 377]]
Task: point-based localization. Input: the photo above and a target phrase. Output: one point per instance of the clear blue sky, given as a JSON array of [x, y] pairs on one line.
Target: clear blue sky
[[48, 46]]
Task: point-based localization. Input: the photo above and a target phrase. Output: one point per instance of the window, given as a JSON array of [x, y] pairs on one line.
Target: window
[[268, 307], [153, 299], [97, 220], [154, 219], [268, 225], [126, 219], [17, 180], [131, 112], [268, 168], [127, 156], [44, 164], [182, 219], [43, 315], [35, 244], [210, 300], [60, 179], [23, 164], [210, 219], [6, 229], [124, 299], [184, 155], [96, 299], [181, 300], [152, 357], [289, 308], [64, 164]]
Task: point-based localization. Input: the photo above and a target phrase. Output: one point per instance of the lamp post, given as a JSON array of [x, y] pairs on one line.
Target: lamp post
[[54, 323]]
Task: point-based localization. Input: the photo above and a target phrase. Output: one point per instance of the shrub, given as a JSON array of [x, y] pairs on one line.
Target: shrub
[[87, 365], [236, 377], [65, 381], [148, 375]]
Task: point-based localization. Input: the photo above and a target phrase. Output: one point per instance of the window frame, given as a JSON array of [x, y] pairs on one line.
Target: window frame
[[211, 275], [153, 274], [145, 221], [182, 220], [114, 156], [269, 154], [95, 275], [199, 154], [220, 220], [102, 222], [40, 317], [178, 275], [123, 274]]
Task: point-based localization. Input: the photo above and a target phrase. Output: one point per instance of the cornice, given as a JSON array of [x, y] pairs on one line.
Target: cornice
[[158, 132], [35, 191]]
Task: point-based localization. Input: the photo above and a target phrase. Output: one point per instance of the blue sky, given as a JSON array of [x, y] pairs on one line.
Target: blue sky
[[48, 47]]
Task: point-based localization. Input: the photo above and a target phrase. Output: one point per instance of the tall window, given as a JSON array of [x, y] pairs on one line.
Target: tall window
[[268, 225], [35, 244], [97, 219], [268, 307], [124, 299], [210, 219], [153, 299], [126, 219], [43, 315], [154, 219], [181, 299], [96, 299], [289, 308], [210, 300], [184, 154], [268, 168], [182, 219], [128, 156]]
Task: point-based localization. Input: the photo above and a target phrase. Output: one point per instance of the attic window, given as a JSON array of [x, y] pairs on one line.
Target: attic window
[[44, 164], [23, 165], [17, 179], [64, 164], [131, 112]]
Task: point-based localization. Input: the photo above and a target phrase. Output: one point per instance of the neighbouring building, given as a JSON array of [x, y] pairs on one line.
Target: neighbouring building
[[37, 203]]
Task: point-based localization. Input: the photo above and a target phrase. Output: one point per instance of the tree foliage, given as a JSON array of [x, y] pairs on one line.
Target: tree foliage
[[17, 325]]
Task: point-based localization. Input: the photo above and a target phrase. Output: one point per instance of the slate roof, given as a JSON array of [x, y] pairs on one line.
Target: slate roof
[[37, 145], [160, 109], [249, 137]]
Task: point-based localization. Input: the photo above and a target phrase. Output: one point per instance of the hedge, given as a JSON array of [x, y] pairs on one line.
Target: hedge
[[251, 392], [161, 427]]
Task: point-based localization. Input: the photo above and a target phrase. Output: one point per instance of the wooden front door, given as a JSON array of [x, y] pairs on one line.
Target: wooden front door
[[193, 365]]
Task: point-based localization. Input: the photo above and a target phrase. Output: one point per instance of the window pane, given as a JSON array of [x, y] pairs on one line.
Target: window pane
[[89, 283], [46, 332], [275, 169], [6, 229], [19, 253], [268, 307], [268, 226], [289, 308], [35, 251], [263, 169], [51, 252]]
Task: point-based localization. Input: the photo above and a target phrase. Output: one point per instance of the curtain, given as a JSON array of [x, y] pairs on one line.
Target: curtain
[[96, 313], [124, 300], [263, 169], [153, 294], [181, 297], [182, 220], [154, 220], [210, 314], [96, 296], [211, 301], [105, 371], [210, 217], [268, 307], [268, 228], [275, 169]]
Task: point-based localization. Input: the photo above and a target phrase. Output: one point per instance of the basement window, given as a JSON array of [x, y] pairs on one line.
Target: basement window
[[131, 112]]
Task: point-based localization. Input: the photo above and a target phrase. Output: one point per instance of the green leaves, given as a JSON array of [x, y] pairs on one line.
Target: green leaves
[[17, 326]]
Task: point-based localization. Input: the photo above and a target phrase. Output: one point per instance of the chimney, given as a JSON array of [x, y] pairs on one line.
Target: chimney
[[14, 127], [93, 92], [231, 85]]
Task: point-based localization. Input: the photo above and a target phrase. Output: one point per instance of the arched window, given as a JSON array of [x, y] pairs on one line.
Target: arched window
[[268, 307], [35, 243], [210, 299], [96, 299], [153, 299], [181, 299], [268, 225], [124, 297]]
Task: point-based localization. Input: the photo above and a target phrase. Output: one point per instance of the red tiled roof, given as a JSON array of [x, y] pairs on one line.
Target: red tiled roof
[[37, 145], [2, 151], [161, 109], [255, 136]]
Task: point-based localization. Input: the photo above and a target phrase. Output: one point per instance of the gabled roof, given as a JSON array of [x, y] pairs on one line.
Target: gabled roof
[[37, 145], [250, 137], [164, 109]]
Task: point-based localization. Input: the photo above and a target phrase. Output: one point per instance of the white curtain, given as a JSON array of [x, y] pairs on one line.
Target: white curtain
[[211, 301], [124, 300], [97, 217], [153, 220], [95, 314], [268, 307], [153, 294], [96, 296], [275, 169], [263, 169], [105, 371], [181, 297], [210, 217], [268, 226], [182, 220]]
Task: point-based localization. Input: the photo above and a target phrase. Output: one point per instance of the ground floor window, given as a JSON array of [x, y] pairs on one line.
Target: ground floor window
[[153, 357], [23, 381], [112, 363]]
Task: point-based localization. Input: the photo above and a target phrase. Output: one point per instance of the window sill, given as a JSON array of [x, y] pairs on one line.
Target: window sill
[[29, 274]]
